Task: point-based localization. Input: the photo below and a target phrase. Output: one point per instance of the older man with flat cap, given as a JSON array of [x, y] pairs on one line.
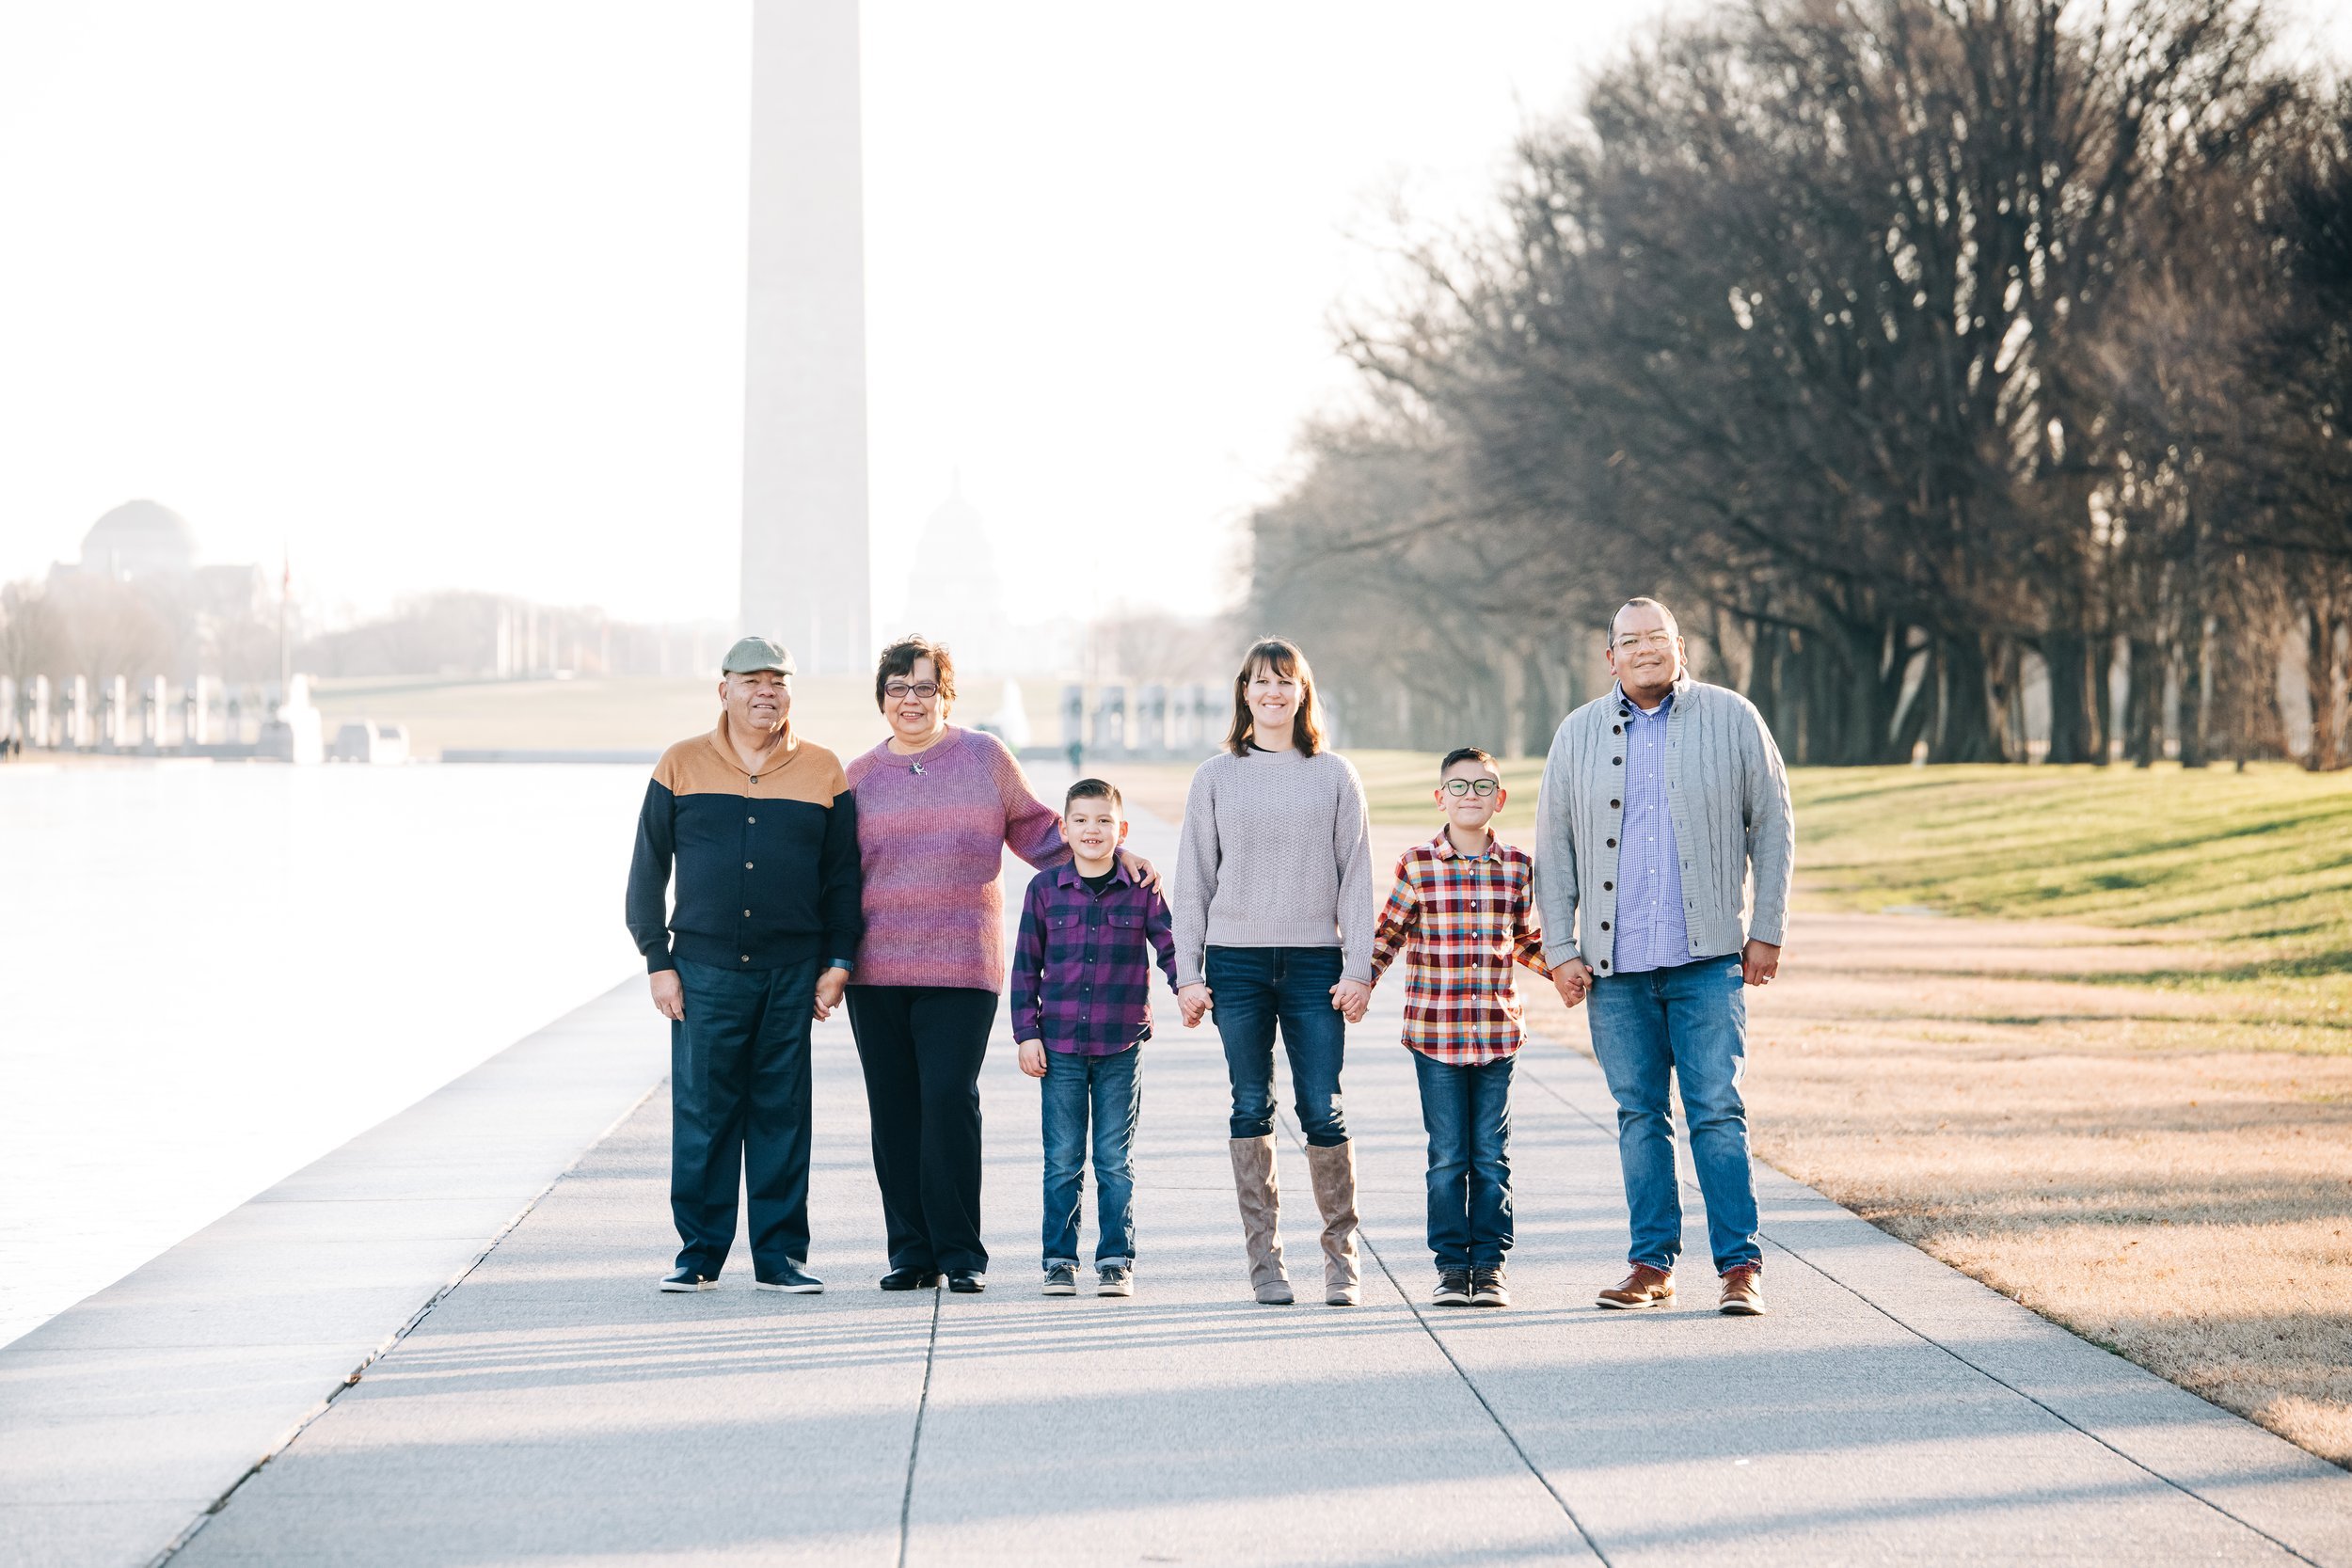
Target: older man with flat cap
[[759, 830]]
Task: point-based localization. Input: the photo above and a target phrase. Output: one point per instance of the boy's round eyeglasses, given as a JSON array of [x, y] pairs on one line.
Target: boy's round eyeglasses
[[1479, 787], [900, 691]]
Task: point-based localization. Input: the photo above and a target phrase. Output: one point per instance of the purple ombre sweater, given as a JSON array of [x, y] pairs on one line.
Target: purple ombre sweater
[[932, 845]]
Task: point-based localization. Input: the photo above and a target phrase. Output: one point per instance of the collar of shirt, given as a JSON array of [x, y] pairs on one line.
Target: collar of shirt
[[1628, 707], [1443, 844], [782, 754], [1065, 875]]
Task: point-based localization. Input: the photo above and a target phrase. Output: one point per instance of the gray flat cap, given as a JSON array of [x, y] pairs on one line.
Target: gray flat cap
[[756, 652]]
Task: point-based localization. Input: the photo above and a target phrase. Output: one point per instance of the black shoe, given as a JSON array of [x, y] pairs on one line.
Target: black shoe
[[687, 1279], [909, 1279], [793, 1279], [1453, 1289], [1488, 1288], [1115, 1279], [966, 1282]]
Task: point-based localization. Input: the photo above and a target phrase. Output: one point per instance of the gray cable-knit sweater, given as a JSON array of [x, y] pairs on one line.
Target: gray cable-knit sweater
[[1277, 852], [1728, 794]]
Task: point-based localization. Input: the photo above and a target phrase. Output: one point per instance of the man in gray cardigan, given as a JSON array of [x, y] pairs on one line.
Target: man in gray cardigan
[[1658, 801]]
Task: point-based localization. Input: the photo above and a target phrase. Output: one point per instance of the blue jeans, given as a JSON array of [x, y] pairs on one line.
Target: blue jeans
[[1467, 1113], [1690, 1021], [739, 1113], [1112, 1088], [1253, 988]]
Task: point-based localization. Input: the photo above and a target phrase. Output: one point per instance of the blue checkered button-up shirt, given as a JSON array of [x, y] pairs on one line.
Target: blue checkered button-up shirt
[[1651, 930]]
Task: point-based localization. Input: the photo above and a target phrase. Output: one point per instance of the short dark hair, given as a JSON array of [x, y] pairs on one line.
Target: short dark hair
[[1093, 789], [1281, 655], [1642, 601], [899, 659], [1465, 753]]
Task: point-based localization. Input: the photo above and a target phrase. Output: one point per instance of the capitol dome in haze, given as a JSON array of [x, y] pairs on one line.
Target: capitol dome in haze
[[954, 592], [139, 539]]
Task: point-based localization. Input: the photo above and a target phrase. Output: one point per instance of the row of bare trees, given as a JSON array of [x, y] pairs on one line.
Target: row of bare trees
[[1964, 370]]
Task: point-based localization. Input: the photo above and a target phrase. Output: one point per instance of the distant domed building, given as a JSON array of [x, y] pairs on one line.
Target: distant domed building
[[954, 592], [139, 539]]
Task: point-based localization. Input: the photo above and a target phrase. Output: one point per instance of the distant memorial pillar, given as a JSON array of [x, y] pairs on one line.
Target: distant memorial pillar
[[36, 700], [807, 569], [77, 713], [156, 712], [11, 715], [1073, 716], [1151, 731]]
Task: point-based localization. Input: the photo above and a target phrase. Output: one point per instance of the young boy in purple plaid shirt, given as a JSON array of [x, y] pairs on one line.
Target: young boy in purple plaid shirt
[[1081, 999]]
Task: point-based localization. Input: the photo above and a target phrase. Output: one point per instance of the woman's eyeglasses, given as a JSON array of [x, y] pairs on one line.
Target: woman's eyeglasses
[[1479, 787], [898, 691]]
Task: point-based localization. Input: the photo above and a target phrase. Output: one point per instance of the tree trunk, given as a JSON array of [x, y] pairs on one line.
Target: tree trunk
[[2193, 695], [2101, 672], [1965, 733], [2064, 655], [2143, 703]]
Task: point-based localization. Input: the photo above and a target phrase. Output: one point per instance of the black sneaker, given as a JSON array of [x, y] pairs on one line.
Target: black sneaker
[[793, 1279], [1115, 1279], [1453, 1289], [1061, 1279], [687, 1279], [966, 1282], [1488, 1288], [909, 1279]]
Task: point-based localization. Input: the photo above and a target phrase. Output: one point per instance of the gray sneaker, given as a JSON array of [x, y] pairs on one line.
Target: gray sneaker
[[1061, 1279], [1115, 1279]]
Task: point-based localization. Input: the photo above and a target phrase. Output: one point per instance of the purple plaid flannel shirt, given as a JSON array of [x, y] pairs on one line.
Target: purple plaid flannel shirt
[[1082, 966]]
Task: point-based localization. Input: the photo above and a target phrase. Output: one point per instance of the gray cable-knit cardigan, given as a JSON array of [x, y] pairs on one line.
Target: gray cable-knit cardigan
[[1728, 793]]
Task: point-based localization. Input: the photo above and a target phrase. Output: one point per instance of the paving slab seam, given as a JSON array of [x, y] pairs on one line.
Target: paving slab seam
[[1468, 1382], [178, 1542], [915, 1442], [1994, 1378]]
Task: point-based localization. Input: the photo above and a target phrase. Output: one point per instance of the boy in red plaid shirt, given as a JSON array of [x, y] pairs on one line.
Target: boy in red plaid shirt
[[1462, 912]]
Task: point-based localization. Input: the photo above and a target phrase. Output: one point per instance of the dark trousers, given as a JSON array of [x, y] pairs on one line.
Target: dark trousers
[[1467, 1111], [739, 1113], [1252, 990], [921, 1047]]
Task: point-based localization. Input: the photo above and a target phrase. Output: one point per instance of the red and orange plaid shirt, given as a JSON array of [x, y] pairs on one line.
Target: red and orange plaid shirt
[[1461, 920]]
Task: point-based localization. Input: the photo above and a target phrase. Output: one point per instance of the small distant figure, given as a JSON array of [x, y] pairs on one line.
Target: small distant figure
[[1077, 753], [1081, 1010], [1462, 912]]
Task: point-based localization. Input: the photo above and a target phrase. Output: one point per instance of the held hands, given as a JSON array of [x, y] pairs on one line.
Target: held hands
[[1193, 1002], [829, 985], [1353, 999], [1574, 981], [1033, 1058], [669, 997], [1758, 962]]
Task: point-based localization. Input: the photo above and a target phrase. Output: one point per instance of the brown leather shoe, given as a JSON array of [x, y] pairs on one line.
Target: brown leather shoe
[[1643, 1286], [1744, 1294]]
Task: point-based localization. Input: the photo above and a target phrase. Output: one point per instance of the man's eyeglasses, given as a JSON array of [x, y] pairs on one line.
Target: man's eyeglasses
[[898, 691], [1633, 639], [1479, 787]]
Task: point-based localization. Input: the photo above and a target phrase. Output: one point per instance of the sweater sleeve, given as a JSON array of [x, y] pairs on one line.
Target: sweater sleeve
[[649, 900], [1024, 992], [1351, 843], [1772, 827], [1555, 851], [1032, 828], [1196, 875], [841, 882]]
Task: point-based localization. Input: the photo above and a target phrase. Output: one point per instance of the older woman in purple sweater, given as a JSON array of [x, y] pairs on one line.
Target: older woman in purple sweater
[[938, 806]]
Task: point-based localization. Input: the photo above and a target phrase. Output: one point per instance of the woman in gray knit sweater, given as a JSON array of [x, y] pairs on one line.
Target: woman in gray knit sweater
[[1274, 923]]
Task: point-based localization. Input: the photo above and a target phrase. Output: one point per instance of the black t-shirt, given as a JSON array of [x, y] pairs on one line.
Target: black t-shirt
[[1096, 885]]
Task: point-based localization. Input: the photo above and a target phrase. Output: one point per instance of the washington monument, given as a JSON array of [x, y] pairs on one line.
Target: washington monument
[[805, 563]]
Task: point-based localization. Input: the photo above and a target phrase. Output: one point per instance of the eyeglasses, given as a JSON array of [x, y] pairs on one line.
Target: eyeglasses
[[922, 691], [1479, 787], [1633, 639]]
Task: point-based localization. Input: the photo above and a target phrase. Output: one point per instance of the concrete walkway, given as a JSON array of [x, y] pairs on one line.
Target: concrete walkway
[[553, 1407]]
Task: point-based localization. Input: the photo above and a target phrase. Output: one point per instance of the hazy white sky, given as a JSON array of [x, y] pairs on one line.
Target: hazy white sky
[[451, 295]]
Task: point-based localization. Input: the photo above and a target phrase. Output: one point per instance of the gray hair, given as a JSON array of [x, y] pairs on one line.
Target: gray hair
[[1645, 602]]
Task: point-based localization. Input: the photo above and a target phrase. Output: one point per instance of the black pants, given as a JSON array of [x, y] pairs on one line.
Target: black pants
[[739, 1113], [922, 1047]]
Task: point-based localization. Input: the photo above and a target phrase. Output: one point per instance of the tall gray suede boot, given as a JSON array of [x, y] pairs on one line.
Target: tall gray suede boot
[[1334, 1170], [1260, 1196]]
